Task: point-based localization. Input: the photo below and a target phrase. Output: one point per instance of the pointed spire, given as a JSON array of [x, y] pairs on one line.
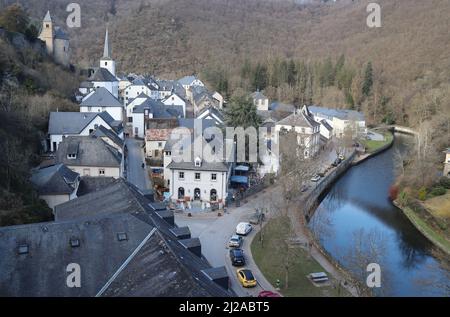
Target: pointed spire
[[47, 17], [106, 50]]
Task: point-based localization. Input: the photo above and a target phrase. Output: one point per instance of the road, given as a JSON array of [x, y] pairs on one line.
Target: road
[[135, 173], [214, 233]]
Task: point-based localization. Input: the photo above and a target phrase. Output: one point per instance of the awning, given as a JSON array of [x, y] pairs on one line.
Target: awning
[[239, 179], [241, 168]]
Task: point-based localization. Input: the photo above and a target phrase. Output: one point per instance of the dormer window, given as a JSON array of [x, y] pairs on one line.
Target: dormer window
[[198, 162], [71, 156]]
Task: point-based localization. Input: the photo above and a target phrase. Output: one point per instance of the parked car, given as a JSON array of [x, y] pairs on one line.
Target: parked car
[[235, 241], [243, 228], [246, 278], [315, 178], [268, 294], [237, 257], [336, 162]]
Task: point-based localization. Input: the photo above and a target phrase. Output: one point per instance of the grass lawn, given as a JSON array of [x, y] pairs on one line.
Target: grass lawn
[[269, 259], [372, 146], [439, 206]]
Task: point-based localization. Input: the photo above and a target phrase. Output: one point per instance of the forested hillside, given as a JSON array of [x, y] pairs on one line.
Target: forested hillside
[[31, 86]]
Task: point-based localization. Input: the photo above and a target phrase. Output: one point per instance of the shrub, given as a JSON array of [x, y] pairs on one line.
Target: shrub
[[422, 195], [445, 182], [437, 191]]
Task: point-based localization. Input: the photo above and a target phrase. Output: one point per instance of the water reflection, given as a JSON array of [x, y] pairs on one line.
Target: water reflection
[[357, 223]]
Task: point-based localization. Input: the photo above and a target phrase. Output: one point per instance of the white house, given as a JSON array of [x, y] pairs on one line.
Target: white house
[[308, 130], [197, 179], [55, 184], [101, 100], [90, 156], [140, 86], [65, 124], [139, 100], [261, 102], [341, 120], [174, 100], [326, 130]]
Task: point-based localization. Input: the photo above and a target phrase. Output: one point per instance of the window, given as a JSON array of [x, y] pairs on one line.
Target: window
[[159, 144], [101, 172], [213, 195], [168, 182], [214, 177], [181, 193], [106, 63], [71, 156], [168, 153], [181, 175], [198, 162], [47, 26], [197, 176]]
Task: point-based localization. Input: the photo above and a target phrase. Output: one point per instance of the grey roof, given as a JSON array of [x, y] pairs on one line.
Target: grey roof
[[190, 123], [118, 197], [91, 152], [153, 260], [89, 184], [299, 119], [101, 97], [103, 75], [54, 180], [187, 80], [159, 110], [101, 132], [213, 110], [47, 17], [218, 166], [338, 113], [60, 34], [326, 125], [74, 122], [257, 95], [42, 272]]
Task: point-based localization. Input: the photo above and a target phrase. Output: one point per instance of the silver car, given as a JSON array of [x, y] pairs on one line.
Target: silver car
[[235, 241]]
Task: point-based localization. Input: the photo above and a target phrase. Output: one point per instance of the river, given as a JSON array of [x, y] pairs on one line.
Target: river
[[357, 224]]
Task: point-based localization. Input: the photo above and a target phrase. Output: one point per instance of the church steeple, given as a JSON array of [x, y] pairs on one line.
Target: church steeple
[[106, 49], [107, 62], [47, 33]]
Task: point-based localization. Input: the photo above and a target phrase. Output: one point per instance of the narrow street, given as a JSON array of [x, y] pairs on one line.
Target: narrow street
[[135, 173]]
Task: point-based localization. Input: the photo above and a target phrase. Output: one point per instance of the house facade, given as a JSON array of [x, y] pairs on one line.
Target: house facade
[[90, 156], [307, 129], [260, 101], [101, 100]]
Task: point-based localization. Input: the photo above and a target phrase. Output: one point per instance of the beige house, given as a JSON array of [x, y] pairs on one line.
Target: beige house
[[90, 156], [261, 102], [56, 184]]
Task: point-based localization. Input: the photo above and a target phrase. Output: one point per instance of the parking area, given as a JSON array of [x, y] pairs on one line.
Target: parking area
[[214, 233]]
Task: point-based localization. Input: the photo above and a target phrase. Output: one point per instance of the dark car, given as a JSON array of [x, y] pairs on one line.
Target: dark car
[[336, 162], [237, 257]]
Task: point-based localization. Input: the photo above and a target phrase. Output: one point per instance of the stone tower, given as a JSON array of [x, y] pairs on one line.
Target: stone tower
[[106, 61], [47, 33]]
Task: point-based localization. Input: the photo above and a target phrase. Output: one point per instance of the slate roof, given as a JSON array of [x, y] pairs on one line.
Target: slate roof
[[60, 34], [214, 111], [326, 125], [187, 80], [101, 131], [159, 110], [47, 17], [338, 113], [299, 119], [149, 261], [54, 180], [103, 75], [91, 152], [90, 184], [74, 122], [101, 97]]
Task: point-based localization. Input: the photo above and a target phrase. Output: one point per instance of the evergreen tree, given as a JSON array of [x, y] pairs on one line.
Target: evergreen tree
[[368, 80], [241, 112]]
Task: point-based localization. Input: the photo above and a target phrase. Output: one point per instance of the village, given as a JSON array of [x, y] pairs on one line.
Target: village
[[111, 176]]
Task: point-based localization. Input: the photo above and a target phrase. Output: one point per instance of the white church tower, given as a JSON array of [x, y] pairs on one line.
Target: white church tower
[[106, 61]]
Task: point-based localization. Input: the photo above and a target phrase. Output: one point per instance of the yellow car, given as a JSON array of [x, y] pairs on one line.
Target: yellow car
[[246, 278]]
